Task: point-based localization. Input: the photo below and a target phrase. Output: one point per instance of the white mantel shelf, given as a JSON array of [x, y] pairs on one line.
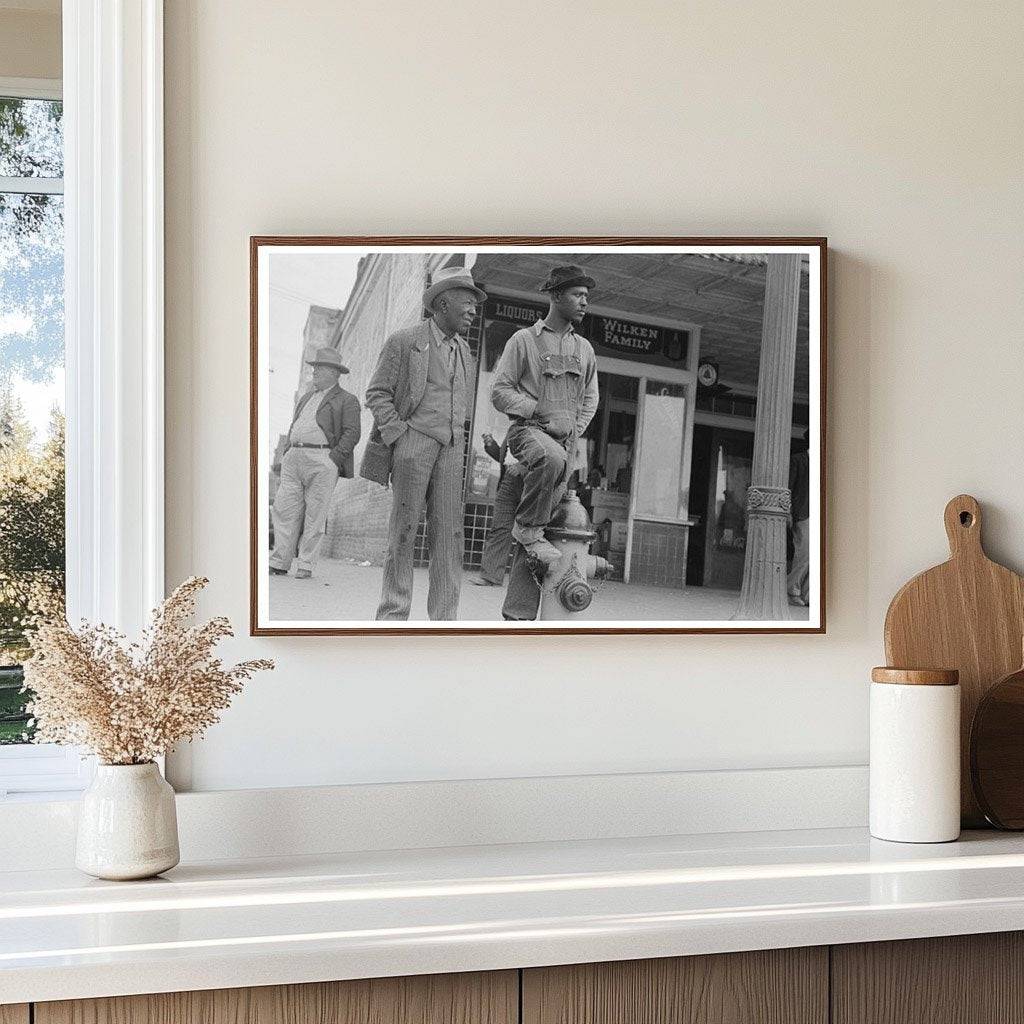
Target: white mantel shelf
[[265, 922]]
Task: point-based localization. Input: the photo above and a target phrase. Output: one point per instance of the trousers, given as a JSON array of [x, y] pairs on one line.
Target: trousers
[[499, 537], [303, 498], [796, 581], [424, 474], [522, 599], [546, 470]]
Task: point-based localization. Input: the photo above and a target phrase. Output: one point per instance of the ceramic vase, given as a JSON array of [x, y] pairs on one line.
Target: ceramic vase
[[127, 825]]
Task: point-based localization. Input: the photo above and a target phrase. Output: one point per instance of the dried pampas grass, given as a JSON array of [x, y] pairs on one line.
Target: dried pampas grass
[[129, 703]]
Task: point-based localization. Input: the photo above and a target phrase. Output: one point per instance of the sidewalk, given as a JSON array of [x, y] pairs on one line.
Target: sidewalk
[[343, 591]]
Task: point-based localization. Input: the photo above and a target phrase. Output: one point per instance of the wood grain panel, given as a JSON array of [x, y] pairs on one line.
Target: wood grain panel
[[962, 979], [480, 998], [965, 614], [778, 986], [14, 1013]]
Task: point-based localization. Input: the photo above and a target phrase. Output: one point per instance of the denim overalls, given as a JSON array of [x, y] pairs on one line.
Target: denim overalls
[[561, 391]]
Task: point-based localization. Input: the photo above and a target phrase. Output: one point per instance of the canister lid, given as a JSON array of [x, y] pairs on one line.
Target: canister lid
[[916, 676]]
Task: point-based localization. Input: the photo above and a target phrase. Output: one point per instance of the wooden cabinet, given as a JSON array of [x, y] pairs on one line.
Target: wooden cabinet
[[776, 986], [482, 998], [969, 979], [962, 979]]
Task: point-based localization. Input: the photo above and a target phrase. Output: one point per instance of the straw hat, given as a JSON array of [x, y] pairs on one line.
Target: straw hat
[[328, 357], [444, 279]]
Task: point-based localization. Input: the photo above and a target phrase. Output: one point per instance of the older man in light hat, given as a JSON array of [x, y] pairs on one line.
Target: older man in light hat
[[324, 432], [418, 398]]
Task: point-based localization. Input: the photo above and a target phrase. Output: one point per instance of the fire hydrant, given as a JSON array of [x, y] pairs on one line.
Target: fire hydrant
[[565, 588]]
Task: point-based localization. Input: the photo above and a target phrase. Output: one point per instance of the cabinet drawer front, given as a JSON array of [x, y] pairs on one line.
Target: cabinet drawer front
[[960, 979], [481, 998], [776, 986], [14, 1013]]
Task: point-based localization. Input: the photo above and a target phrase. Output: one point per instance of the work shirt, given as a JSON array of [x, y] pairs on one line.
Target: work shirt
[[518, 377], [305, 429], [442, 410]]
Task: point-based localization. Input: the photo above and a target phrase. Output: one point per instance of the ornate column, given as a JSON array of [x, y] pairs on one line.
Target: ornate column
[[763, 596]]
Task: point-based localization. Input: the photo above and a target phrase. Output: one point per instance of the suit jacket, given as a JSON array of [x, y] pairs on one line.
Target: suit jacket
[[400, 379], [338, 417]]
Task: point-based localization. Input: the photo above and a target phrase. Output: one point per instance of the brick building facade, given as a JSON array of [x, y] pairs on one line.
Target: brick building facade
[[385, 298]]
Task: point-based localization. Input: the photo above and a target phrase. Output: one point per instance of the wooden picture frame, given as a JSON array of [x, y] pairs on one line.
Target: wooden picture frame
[[643, 343]]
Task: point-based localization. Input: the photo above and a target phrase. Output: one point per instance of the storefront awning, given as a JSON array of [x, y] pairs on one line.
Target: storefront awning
[[723, 295]]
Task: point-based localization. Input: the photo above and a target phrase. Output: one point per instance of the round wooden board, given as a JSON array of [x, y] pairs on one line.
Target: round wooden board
[[997, 752], [967, 614]]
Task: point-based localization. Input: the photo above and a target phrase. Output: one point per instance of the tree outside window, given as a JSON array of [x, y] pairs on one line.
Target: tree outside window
[[31, 386]]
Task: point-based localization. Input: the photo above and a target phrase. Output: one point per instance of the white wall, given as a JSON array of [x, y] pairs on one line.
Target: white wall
[[296, 283], [895, 129], [30, 39]]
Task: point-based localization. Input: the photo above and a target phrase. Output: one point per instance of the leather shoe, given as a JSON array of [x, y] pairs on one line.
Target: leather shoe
[[274, 571], [302, 574]]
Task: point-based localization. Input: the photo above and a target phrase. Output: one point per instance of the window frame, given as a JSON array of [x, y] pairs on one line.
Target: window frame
[[38, 768], [112, 90], [32, 89]]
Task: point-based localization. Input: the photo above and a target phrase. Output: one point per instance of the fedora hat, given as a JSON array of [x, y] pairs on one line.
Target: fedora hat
[[567, 277], [445, 279], [328, 357]]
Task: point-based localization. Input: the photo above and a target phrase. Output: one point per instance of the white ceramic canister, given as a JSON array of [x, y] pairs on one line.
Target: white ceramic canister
[[127, 825], [915, 755]]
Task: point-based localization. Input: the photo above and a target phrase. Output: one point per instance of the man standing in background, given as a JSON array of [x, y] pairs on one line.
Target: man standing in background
[[324, 432], [800, 498], [506, 501], [418, 399]]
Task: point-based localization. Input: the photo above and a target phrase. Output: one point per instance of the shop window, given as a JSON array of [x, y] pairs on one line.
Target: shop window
[[744, 406], [726, 539], [611, 436], [661, 490], [481, 469], [627, 388]]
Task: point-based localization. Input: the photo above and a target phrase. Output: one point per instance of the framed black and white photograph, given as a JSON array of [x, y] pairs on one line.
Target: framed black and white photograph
[[584, 435]]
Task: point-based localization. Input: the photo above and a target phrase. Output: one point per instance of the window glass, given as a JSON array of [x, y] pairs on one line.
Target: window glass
[[483, 470], [32, 310], [726, 540], [31, 387], [660, 487], [31, 138]]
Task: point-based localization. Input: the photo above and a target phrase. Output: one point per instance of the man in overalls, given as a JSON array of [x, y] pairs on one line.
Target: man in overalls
[[546, 383]]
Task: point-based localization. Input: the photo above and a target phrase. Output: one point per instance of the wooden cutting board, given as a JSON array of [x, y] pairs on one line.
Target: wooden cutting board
[[967, 614]]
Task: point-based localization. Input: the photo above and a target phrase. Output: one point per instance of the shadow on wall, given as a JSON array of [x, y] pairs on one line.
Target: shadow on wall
[[853, 286]]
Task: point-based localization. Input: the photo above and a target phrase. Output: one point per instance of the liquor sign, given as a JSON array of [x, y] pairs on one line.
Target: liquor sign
[[514, 311], [610, 336]]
